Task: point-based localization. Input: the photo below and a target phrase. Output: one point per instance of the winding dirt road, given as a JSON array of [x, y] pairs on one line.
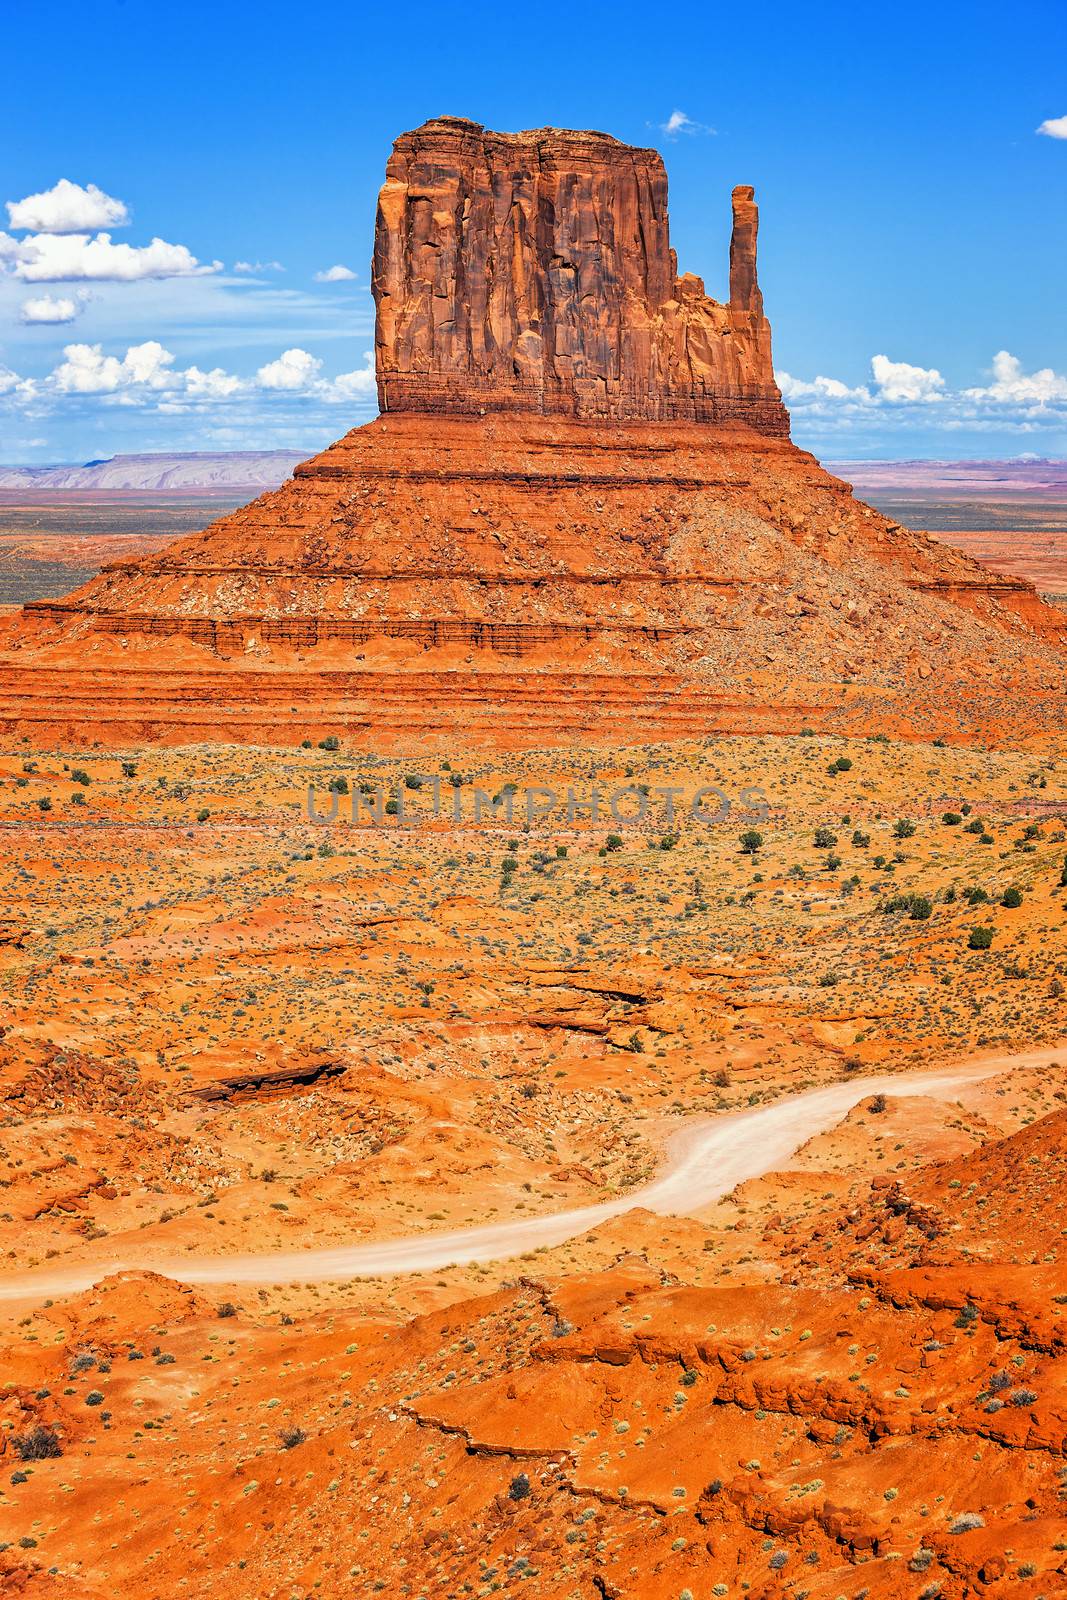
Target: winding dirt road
[[706, 1158]]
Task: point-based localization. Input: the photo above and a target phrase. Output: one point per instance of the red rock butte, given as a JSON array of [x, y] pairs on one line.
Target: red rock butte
[[578, 517], [533, 272]]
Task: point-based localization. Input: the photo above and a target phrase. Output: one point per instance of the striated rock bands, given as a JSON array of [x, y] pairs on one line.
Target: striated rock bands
[[534, 272]]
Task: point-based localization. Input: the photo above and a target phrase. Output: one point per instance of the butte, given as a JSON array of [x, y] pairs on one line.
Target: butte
[[578, 518]]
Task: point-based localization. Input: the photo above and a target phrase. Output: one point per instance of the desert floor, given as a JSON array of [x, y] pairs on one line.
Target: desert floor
[[263, 1076]]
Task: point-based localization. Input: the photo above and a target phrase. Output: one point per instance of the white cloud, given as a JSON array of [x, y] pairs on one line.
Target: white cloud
[[797, 390], [146, 376], [294, 369], [350, 385], [213, 385], [1011, 385], [1054, 128], [86, 370], [678, 122], [899, 380], [48, 308], [257, 266], [79, 257], [67, 208], [336, 274], [900, 402]]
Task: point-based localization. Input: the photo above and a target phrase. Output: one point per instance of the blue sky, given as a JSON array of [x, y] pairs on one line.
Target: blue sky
[[911, 213]]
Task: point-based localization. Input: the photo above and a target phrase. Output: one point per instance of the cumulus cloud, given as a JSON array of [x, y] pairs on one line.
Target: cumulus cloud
[[47, 308], [352, 385], [86, 370], [294, 369], [899, 380], [907, 398], [678, 122], [336, 274], [1054, 128], [67, 208], [257, 266], [214, 385], [1011, 385], [797, 390], [80, 257], [147, 376]]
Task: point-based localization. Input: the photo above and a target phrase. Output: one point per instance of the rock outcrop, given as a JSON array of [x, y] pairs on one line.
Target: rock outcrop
[[578, 518], [534, 272]]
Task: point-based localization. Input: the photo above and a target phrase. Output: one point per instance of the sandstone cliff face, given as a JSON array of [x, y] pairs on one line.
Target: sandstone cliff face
[[533, 272]]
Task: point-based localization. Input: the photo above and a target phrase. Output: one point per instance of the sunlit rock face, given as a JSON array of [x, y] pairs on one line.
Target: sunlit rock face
[[534, 272]]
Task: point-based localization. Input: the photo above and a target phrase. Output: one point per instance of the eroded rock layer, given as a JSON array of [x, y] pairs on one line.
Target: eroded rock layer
[[534, 272], [529, 580]]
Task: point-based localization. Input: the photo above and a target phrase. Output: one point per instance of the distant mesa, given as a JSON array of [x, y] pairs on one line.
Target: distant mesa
[[578, 518], [194, 471]]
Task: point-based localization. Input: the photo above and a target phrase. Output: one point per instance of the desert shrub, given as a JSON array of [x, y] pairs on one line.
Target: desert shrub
[[952, 819], [751, 841], [966, 1522], [975, 827], [338, 786], [613, 841], [980, 938], [519, 1487], [40, 1444], [79, 775], [975, 896], [331, 742], [825, 839], [1022, 1397], [918, 906], [861, 840], [289, 1438], [903, 829], [227, 1309], [1011, 898], [877, 1103]]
